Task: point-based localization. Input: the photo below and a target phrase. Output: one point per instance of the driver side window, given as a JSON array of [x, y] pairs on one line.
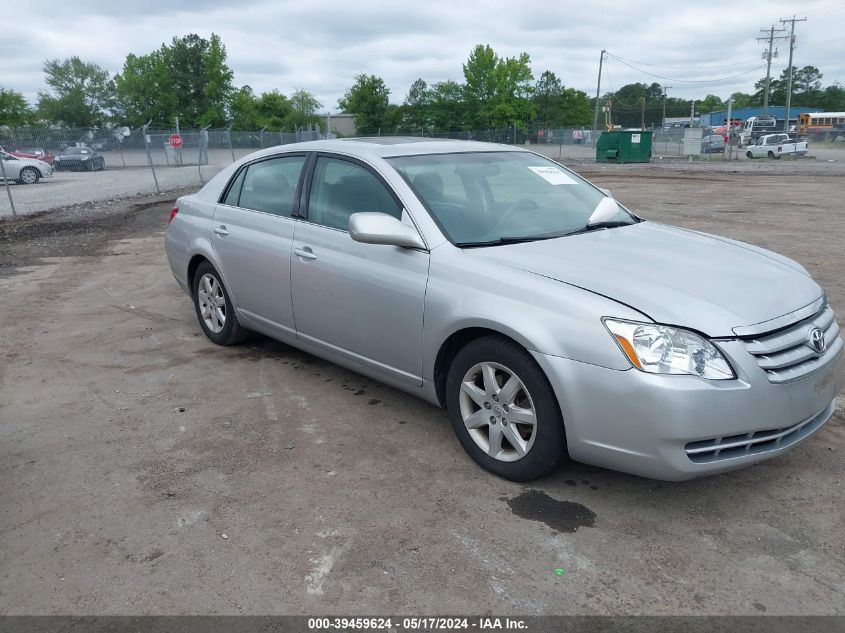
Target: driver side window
[[341, 188]]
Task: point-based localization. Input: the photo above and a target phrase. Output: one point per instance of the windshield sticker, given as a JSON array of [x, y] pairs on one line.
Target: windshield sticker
[[553, 175]]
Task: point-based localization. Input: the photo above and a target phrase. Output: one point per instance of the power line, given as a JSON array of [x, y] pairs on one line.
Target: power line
[[686, 81], [691, 68]]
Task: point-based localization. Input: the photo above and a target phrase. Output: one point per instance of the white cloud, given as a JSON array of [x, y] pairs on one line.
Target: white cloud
[[320, 45]]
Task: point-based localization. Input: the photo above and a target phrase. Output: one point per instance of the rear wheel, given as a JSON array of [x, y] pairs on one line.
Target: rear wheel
[[29, 176], [771, 154], [214, 309], [749, 155], [504, 411]]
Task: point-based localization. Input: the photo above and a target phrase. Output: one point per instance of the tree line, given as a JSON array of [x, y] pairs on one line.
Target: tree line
[[635, 102], [189, 78]]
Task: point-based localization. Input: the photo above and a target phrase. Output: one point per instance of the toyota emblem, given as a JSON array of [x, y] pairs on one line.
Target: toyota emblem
[[815, 340]]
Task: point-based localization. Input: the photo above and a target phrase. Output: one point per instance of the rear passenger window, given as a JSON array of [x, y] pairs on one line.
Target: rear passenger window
[[270, 185], [341, 188], [235, 190]]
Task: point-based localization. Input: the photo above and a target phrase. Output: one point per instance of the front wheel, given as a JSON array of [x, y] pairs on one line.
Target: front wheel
[[214, 308], [504, 411], [29, 176]]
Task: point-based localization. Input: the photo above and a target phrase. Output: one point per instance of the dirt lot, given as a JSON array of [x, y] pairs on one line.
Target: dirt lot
[[147, 471]]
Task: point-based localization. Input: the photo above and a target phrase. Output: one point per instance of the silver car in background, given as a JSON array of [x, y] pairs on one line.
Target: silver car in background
[[548, 320], [25, 171]]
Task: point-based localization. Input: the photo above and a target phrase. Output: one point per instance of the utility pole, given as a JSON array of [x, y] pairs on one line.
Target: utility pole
[[692, 114], [768, 55], [598, 90], [793, 20], [663, 123], [642, 113]]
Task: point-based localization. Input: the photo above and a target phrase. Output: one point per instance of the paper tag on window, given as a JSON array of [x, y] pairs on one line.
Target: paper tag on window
[[553, 175]]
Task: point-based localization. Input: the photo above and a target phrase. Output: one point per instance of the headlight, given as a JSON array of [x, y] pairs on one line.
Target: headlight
[[661, 349]]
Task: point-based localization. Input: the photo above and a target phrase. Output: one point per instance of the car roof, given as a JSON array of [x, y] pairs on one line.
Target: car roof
[[387, 146]]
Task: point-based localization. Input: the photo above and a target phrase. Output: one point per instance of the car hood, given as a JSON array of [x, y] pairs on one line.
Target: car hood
[[34, 162], [673, 276]]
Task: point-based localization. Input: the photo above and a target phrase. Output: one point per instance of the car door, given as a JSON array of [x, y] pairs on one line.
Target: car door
[[252, 237], [359, 303]]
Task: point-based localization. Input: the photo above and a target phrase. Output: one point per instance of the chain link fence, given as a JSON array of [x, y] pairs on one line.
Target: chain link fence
[[45, 168], [91, 166]]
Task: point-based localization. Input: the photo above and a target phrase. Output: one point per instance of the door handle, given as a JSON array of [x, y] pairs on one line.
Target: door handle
[[221, 230], [305, 253]]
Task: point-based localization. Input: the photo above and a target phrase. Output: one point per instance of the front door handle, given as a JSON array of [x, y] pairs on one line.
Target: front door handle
[[305, 253], [221, 230]]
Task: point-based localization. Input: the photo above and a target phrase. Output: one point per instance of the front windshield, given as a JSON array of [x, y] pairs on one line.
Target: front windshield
[[76, 150], [497, 197]]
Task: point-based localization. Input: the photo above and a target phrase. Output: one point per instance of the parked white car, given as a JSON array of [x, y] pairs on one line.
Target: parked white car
[[26, 171], [775, 146]]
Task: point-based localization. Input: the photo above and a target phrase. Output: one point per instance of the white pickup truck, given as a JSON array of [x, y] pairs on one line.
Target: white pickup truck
[[775, 146]]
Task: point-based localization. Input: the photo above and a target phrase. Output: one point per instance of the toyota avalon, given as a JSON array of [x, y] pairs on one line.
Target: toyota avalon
[[548, 320]]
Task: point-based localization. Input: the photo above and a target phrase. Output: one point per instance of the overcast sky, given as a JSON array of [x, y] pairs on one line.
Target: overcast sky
[[320, 45]]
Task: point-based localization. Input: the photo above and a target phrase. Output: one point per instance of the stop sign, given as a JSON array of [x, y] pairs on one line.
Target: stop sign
[[175, 141]]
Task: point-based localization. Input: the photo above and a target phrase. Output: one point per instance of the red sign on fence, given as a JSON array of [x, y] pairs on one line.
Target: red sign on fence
[[175, 141]]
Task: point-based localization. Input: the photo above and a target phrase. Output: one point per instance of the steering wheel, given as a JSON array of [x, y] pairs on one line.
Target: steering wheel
[[523, 204]]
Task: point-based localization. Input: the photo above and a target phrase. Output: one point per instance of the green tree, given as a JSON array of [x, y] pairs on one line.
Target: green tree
[[82, 94], [14, 110], [548, 92], [447, 110], [415, 112], [711, 103], [576, 108], [274, 111], [305, 109], [832, 98], [743, 100], [367, 99], [480, 85], [188, 78], [243, 109], [498, 90]]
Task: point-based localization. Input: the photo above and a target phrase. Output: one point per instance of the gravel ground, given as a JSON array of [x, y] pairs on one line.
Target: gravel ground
[[147, 471]]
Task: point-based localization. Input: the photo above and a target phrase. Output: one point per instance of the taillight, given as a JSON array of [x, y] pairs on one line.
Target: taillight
[[173, 213]]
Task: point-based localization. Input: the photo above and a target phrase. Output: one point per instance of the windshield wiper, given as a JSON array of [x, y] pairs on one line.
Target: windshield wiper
[[500, 241], [595, 226]]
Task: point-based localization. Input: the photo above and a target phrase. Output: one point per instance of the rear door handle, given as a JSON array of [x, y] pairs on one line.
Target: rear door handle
[[221, 230], [305, 253]]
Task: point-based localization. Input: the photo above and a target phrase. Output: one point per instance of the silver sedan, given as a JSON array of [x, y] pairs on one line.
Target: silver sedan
[[26, 171], [548, 320]]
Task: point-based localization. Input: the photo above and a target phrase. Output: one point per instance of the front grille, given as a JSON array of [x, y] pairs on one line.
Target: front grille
[[720, 448], [785, 355]]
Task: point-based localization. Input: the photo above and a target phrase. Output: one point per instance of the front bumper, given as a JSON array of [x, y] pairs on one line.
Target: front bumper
[[645, 424], [72, 165]]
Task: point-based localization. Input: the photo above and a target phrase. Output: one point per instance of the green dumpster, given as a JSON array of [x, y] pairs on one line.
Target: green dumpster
[[624, 146]]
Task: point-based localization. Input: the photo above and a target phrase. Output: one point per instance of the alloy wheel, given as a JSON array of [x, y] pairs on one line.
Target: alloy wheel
[[29, 177], [212, 303], [497, 411]]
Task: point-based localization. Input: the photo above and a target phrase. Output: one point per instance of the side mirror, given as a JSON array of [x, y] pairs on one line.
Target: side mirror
[[380, 228]]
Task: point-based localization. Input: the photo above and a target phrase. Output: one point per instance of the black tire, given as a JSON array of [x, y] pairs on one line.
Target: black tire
[[34, 174], [749, 155], [233, 332], [548, 451], [771, 154]]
